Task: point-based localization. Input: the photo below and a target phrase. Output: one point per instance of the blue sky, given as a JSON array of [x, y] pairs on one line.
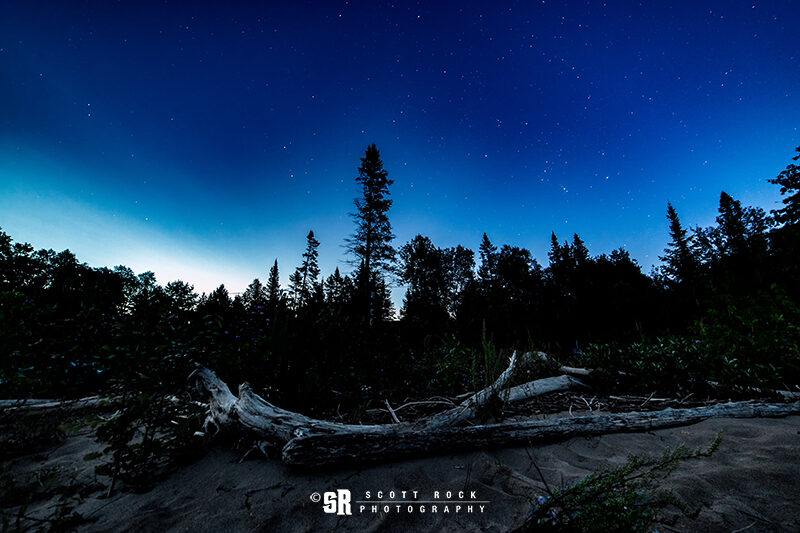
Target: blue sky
[[203, 141]]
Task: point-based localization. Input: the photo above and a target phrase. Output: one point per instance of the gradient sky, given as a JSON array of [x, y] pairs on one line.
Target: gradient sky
[[202, 141]]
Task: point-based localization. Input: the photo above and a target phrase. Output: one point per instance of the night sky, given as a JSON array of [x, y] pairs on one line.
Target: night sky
[[203, 141]]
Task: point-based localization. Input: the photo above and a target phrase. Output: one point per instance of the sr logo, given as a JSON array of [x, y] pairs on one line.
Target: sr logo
[[337, 502]]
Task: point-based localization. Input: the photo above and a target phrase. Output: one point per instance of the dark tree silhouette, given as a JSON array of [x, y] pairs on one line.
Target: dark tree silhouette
[[274, 292], [371, 242], [304, 279], [680, 263], [424, 268], [488, 254], [785, 239], [789, 180], [255, 295], [732, 225]]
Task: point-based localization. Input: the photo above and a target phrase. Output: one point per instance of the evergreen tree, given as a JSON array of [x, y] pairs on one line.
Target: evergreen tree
[[488, 269], [558, 255], [732, 225], [218, 302], [337, 289], [305, 277], [295, 287], [371, 242], [789, 180], [580, 254], [255, 295], [274, 293], [680, 263]]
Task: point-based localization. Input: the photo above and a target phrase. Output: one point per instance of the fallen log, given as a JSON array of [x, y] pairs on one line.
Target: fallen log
[[541, 386], [38, 406], [278, 426], [319, 450]]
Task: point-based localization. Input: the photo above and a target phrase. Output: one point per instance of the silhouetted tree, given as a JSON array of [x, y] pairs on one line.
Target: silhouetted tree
[[371, 242], [680, 263], [488, 267], [304, 279], [255, 296], [460, 262], [789, 180], [182, 296], [786, 238], [274, 292], [732, 226], [424, 268], [217, 302]]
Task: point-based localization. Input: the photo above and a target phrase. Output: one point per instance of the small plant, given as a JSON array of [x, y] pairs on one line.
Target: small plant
[[18, 491], [668, 365], [147, 436], [624, 499]]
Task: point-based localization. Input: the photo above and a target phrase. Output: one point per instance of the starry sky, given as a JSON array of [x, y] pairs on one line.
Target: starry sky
[[202, 141]]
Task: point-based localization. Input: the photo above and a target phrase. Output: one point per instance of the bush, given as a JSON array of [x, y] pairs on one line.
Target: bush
[[670, 365], [624, 499], [753, 341]]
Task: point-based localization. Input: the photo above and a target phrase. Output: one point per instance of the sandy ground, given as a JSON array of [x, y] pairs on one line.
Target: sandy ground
[[752, 484]]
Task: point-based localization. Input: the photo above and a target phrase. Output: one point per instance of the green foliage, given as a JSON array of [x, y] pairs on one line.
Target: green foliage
[[459, 368], [148, 436], [742, 342], [624, 499], [668, 365], [153, 430], [19, 491], [753, 341]]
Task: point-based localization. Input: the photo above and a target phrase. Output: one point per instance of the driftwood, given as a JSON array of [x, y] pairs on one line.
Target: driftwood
[[318, 450], [36, 406], [311, 442], [279, 426]]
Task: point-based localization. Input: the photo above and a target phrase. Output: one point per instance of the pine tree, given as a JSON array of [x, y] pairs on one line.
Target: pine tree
[[305, 277], [558, 254], [334, 288], [789, 180], [295, 287], [580, 254], [371, 242], [488, 269], [255, 295], [274, 293], [732, 225], [680, 263]]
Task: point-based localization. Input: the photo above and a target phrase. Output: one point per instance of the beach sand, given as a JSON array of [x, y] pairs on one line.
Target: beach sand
[[752, 482]]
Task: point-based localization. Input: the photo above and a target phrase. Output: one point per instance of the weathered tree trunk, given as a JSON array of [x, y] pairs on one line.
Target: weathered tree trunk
[[36, 406], [318, 450], [312, 442], [278, 426]]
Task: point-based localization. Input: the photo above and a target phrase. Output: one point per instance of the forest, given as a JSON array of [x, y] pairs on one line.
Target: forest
[[723, 306]]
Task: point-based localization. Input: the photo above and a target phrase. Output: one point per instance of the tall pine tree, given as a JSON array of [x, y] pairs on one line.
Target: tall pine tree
[[488, 269], [274, 293], [304, 279], [680, 263], [371, 242]]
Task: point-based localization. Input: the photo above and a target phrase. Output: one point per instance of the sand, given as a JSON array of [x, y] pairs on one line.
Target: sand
[[752, 484]]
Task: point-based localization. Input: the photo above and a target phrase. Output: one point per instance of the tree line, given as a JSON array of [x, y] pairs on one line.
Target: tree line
[[67, 329]]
